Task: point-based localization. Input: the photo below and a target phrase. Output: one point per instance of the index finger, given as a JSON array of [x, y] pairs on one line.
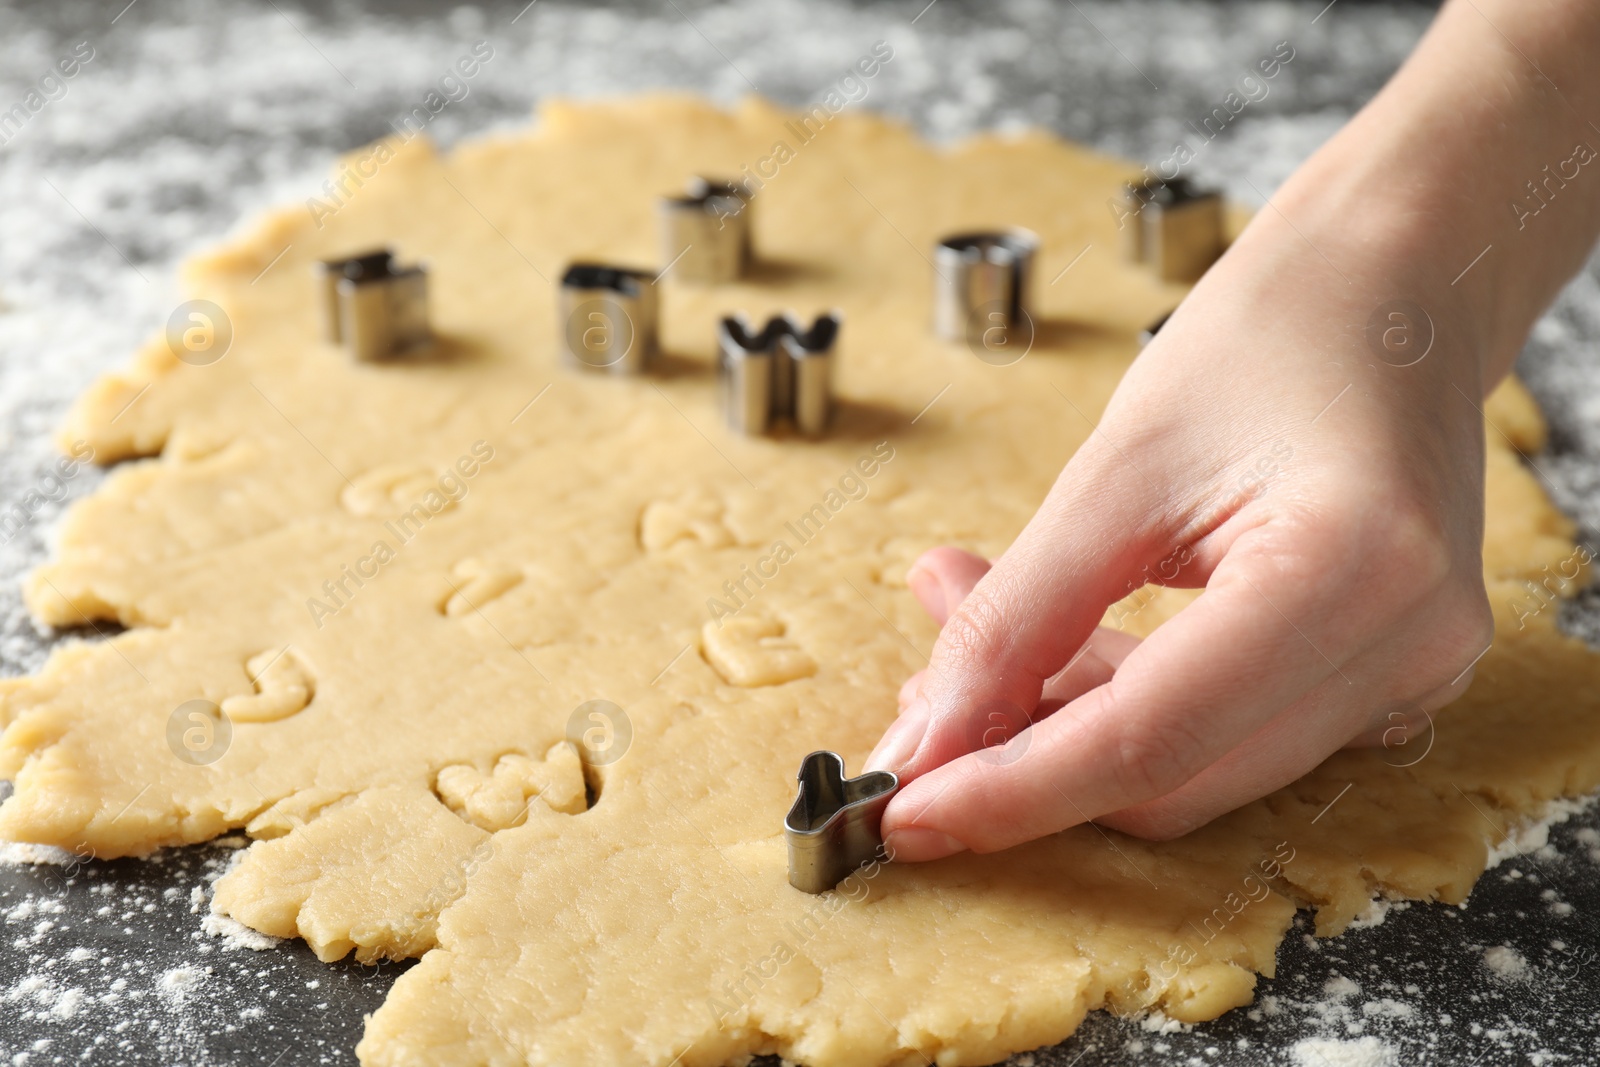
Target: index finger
[[1190, 693], [1023, 622]]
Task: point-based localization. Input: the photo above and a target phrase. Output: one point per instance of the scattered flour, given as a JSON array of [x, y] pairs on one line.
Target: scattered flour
[[1157, 1022], [37, 997], [236, 935], [14, 854], [1339, 987], [1558, 907], [176, 985], [67, 1004], [1330, 1052], [1534, 834], [1378, 909], [1387, 1008], [1505, 962]]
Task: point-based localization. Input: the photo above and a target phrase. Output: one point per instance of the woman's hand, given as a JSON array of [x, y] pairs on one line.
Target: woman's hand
[[1330, 503], [1304, 440]]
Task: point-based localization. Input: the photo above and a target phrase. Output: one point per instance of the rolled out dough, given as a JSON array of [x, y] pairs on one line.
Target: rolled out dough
[[401, 753]]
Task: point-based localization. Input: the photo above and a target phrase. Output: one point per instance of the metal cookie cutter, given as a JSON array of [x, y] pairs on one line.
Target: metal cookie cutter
[[705, 234], [1175, 227], [608, 317], [782, 371], [375, 308], [834, 826], [981, 281]]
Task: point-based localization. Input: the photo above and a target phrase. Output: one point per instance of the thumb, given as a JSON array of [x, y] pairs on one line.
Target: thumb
[[1023, 622]]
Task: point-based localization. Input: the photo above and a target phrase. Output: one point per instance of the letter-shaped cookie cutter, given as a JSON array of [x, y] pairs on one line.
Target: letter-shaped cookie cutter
[[835, 824], [981, 281], [377, 309], [705, 234], [608, 317], [1174, 227], [784, 371]]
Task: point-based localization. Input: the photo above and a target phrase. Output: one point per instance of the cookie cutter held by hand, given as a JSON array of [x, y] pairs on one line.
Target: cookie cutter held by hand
[[835, 825]]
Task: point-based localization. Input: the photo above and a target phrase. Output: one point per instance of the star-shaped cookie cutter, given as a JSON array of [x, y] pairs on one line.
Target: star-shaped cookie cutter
[[835, 824]]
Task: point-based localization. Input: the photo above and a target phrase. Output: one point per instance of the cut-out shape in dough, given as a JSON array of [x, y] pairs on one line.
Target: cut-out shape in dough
[[695, 517], [499, 800], [284, 686], [754, 652], [475, 583], [395, 487]]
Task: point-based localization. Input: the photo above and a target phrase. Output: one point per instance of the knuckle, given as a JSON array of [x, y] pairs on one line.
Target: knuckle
[[1394, 551], [1093, 493], [972, 635], [1152, 759], [1411, 550], [1477, 626], [1468, 630], [1296, 564]]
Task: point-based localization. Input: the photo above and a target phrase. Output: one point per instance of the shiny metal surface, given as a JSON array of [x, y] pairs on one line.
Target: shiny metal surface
[[782, 373], [833, 827], [608, 318], [705, 234], [375, 308], [981, 282]]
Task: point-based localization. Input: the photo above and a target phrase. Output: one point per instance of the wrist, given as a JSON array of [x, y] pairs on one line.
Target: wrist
[[1383, 241], [1471, 172]]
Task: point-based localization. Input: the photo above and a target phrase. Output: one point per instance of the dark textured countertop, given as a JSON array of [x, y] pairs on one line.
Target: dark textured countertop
[[191, 117]]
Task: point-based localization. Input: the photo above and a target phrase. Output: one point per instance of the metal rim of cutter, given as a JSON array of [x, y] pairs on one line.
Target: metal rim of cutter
[[815, 340], [703, 192], [624, 281], [835, 823], [1014, 242]]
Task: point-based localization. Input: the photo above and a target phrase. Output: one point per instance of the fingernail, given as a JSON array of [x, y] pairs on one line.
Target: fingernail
[[900, 742], [916, 845], [928, 590]]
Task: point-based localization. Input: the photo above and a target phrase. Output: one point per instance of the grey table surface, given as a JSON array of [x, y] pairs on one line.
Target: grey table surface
[[191, 117]]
